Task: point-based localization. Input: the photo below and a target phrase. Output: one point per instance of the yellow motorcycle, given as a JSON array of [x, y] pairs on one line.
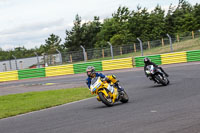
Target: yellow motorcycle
[[107, 92]]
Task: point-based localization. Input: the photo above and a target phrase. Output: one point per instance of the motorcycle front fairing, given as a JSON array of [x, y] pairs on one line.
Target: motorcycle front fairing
[[112, 91], [97, 86], [150, 70]]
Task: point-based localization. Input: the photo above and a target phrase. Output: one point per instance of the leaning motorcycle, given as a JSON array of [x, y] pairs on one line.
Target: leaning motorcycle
[[156, 74], [106, 92]]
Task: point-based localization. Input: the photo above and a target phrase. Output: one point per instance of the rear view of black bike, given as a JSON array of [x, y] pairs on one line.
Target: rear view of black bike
[[156, 75]]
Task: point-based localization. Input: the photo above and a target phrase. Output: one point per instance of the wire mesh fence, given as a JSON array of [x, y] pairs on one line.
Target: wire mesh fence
[[126, 50], [102, 53]]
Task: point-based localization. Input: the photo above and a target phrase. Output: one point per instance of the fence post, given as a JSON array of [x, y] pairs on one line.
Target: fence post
[[84, 55], [135, 48], [192, 34], [21, 65], [111, 49], [43, 54], [38, 63], [141, 48], [47, 60], [178, 38], [149, 47], [70, 56], [50, 59], [5, 67], [163, 44], [120, 50], [103, 53], [15, 61], [10, 65], [60, 56], [170, 41]]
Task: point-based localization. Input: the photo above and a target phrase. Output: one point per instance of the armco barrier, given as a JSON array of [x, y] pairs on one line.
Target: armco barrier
[[193, 55], [139, 61], [170, 58], [8, 76], [114, 64], [81, 67], [31, 73], [117, 64], [59, 70]]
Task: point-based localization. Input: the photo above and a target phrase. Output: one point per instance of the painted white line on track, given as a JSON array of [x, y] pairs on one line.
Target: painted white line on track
[[153, 111]]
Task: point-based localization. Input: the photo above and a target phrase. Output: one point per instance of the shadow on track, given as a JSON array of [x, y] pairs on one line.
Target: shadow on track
[[105, 107], [158, 85]]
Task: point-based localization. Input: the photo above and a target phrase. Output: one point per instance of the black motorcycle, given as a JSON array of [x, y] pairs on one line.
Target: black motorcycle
[[157, 75]]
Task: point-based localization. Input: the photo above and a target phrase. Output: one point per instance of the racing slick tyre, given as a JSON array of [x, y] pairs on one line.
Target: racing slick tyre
[[124, 97], [164, 81]]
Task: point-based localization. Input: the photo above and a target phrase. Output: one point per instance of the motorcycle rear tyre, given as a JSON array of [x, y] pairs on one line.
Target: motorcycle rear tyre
[[124, 98]]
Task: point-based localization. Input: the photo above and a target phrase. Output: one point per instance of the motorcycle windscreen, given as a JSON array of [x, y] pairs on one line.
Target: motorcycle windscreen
[[150, 68], [94, 80], [95, 83]]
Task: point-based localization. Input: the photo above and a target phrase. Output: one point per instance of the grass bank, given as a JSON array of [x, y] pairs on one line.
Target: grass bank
[[15, 104]]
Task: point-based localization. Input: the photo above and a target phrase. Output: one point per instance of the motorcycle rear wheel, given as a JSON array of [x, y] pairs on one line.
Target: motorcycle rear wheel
[[124, 98], [105, 100]]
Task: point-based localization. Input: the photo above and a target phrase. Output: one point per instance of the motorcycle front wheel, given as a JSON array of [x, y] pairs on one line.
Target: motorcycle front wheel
[[105, 100], [162, 81]]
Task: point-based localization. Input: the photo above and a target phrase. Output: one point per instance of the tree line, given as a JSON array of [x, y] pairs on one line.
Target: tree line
[[123, 27]]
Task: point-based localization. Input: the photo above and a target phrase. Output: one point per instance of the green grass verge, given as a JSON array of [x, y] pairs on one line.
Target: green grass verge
[[15, 104]]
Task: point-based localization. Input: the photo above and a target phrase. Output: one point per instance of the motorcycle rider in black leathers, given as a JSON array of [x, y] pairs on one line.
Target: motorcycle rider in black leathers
[[147, 62]]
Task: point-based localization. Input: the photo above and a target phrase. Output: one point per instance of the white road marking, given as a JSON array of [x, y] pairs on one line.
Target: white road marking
[[153, 111]]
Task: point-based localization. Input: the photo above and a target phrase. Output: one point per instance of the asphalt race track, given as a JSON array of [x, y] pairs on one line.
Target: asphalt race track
[[152, 108]]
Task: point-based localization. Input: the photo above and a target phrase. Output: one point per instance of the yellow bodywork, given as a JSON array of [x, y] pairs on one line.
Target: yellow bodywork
[[101, 88]]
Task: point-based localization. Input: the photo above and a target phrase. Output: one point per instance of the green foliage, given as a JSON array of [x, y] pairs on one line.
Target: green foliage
[[73, 37], [107, 31], [138, 24], [196, 16], [117, 39], [156, 24], [52, 43], [82, 34]]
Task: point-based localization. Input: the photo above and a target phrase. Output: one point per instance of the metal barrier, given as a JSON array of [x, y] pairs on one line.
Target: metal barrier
[[170, 58], [59, 70]]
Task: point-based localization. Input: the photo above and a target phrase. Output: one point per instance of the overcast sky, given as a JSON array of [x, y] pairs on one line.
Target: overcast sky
[[29, 22]]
